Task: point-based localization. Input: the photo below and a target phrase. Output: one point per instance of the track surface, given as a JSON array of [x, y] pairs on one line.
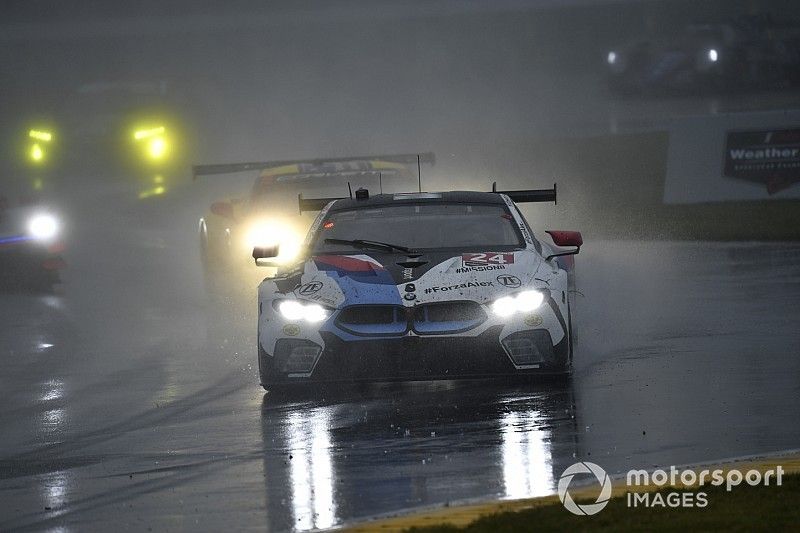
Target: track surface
[[129, 403]]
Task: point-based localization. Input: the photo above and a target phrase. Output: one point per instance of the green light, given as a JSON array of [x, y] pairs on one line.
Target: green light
[[40, 135], [144, 134], [36, 153], [157, 148]]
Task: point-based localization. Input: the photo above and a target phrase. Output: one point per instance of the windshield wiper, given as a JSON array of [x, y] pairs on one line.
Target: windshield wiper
[[361, 243]]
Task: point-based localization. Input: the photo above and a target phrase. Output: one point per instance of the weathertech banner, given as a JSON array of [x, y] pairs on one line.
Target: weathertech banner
[[771, 157]]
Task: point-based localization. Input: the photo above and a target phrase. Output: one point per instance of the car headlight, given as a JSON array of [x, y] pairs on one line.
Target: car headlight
[[271, 233], [520, 303], [43, 227], [298, 310]]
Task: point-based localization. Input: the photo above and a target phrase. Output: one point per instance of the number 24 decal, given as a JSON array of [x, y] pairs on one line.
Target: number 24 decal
[[488, 258]]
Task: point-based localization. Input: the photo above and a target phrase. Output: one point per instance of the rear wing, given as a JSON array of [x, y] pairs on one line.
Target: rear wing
[[230, 168], [520, 196], [530, 195]]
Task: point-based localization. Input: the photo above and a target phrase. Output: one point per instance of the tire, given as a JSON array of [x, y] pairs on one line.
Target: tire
[[570, 337], [262, 364], [214, 271]]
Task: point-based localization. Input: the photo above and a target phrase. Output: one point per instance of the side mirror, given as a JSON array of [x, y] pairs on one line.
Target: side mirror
[[223, 209], [265, 252], [566, 238]]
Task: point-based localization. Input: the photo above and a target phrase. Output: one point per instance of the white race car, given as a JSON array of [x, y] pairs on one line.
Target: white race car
[[415, 287]]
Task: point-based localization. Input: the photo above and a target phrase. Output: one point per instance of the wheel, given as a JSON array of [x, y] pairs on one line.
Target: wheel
[[214, 267], [262, 364], [570, 336]]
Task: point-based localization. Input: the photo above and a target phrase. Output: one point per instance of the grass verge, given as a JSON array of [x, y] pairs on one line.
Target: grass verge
[[745, 508]]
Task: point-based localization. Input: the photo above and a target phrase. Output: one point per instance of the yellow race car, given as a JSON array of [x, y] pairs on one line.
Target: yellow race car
[[269, 215]]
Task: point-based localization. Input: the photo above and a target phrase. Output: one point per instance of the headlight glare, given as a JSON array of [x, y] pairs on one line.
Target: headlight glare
[[529, 300], [43, 227], [270, 233], [505, 306], [291, 309], [297, 310], [315, 313], [522, 302]]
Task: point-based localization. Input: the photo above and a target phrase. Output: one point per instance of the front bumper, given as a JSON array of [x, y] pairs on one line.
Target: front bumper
[[411, 358]]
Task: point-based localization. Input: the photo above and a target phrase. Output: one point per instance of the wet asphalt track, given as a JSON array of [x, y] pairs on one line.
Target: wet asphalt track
[[129, 405]]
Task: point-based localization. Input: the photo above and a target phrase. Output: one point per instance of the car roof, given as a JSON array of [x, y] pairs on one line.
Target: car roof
[[459, 197]]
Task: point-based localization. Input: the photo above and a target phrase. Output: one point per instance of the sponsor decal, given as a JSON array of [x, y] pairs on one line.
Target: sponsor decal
[[513, 208], [410, 287], [467, 285], [487, 258], [410, 296], [507, 280], [525, 233], [315, 225], [310, 288], [484, 268], [291, 329], [771, 157], [533, 320], [323, 299], [408, 273]]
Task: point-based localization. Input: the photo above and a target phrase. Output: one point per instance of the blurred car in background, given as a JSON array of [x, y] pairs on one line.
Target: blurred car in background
[[31, 242], [745, 53], [132, 131], [269, 215]]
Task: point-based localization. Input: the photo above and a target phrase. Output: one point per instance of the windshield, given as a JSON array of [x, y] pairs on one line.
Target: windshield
[[422, 226]]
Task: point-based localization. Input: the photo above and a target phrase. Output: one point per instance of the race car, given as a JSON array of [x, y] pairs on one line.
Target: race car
[[30, 243], [418, 286], [754, 52], [269, 214]]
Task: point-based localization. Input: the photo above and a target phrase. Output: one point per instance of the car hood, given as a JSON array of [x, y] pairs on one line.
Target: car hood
[[399, 279]]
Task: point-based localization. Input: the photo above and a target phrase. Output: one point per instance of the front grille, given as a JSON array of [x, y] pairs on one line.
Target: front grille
[[426, 319], [368, 314], [373, 320], [448, 317], [449, 312]]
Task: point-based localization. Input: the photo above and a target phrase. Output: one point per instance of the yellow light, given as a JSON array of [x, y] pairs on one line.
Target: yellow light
[[270, 233], [39, 135], [158, 179], [157, 148], [144, 134], [156, 191], [37, 154]]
